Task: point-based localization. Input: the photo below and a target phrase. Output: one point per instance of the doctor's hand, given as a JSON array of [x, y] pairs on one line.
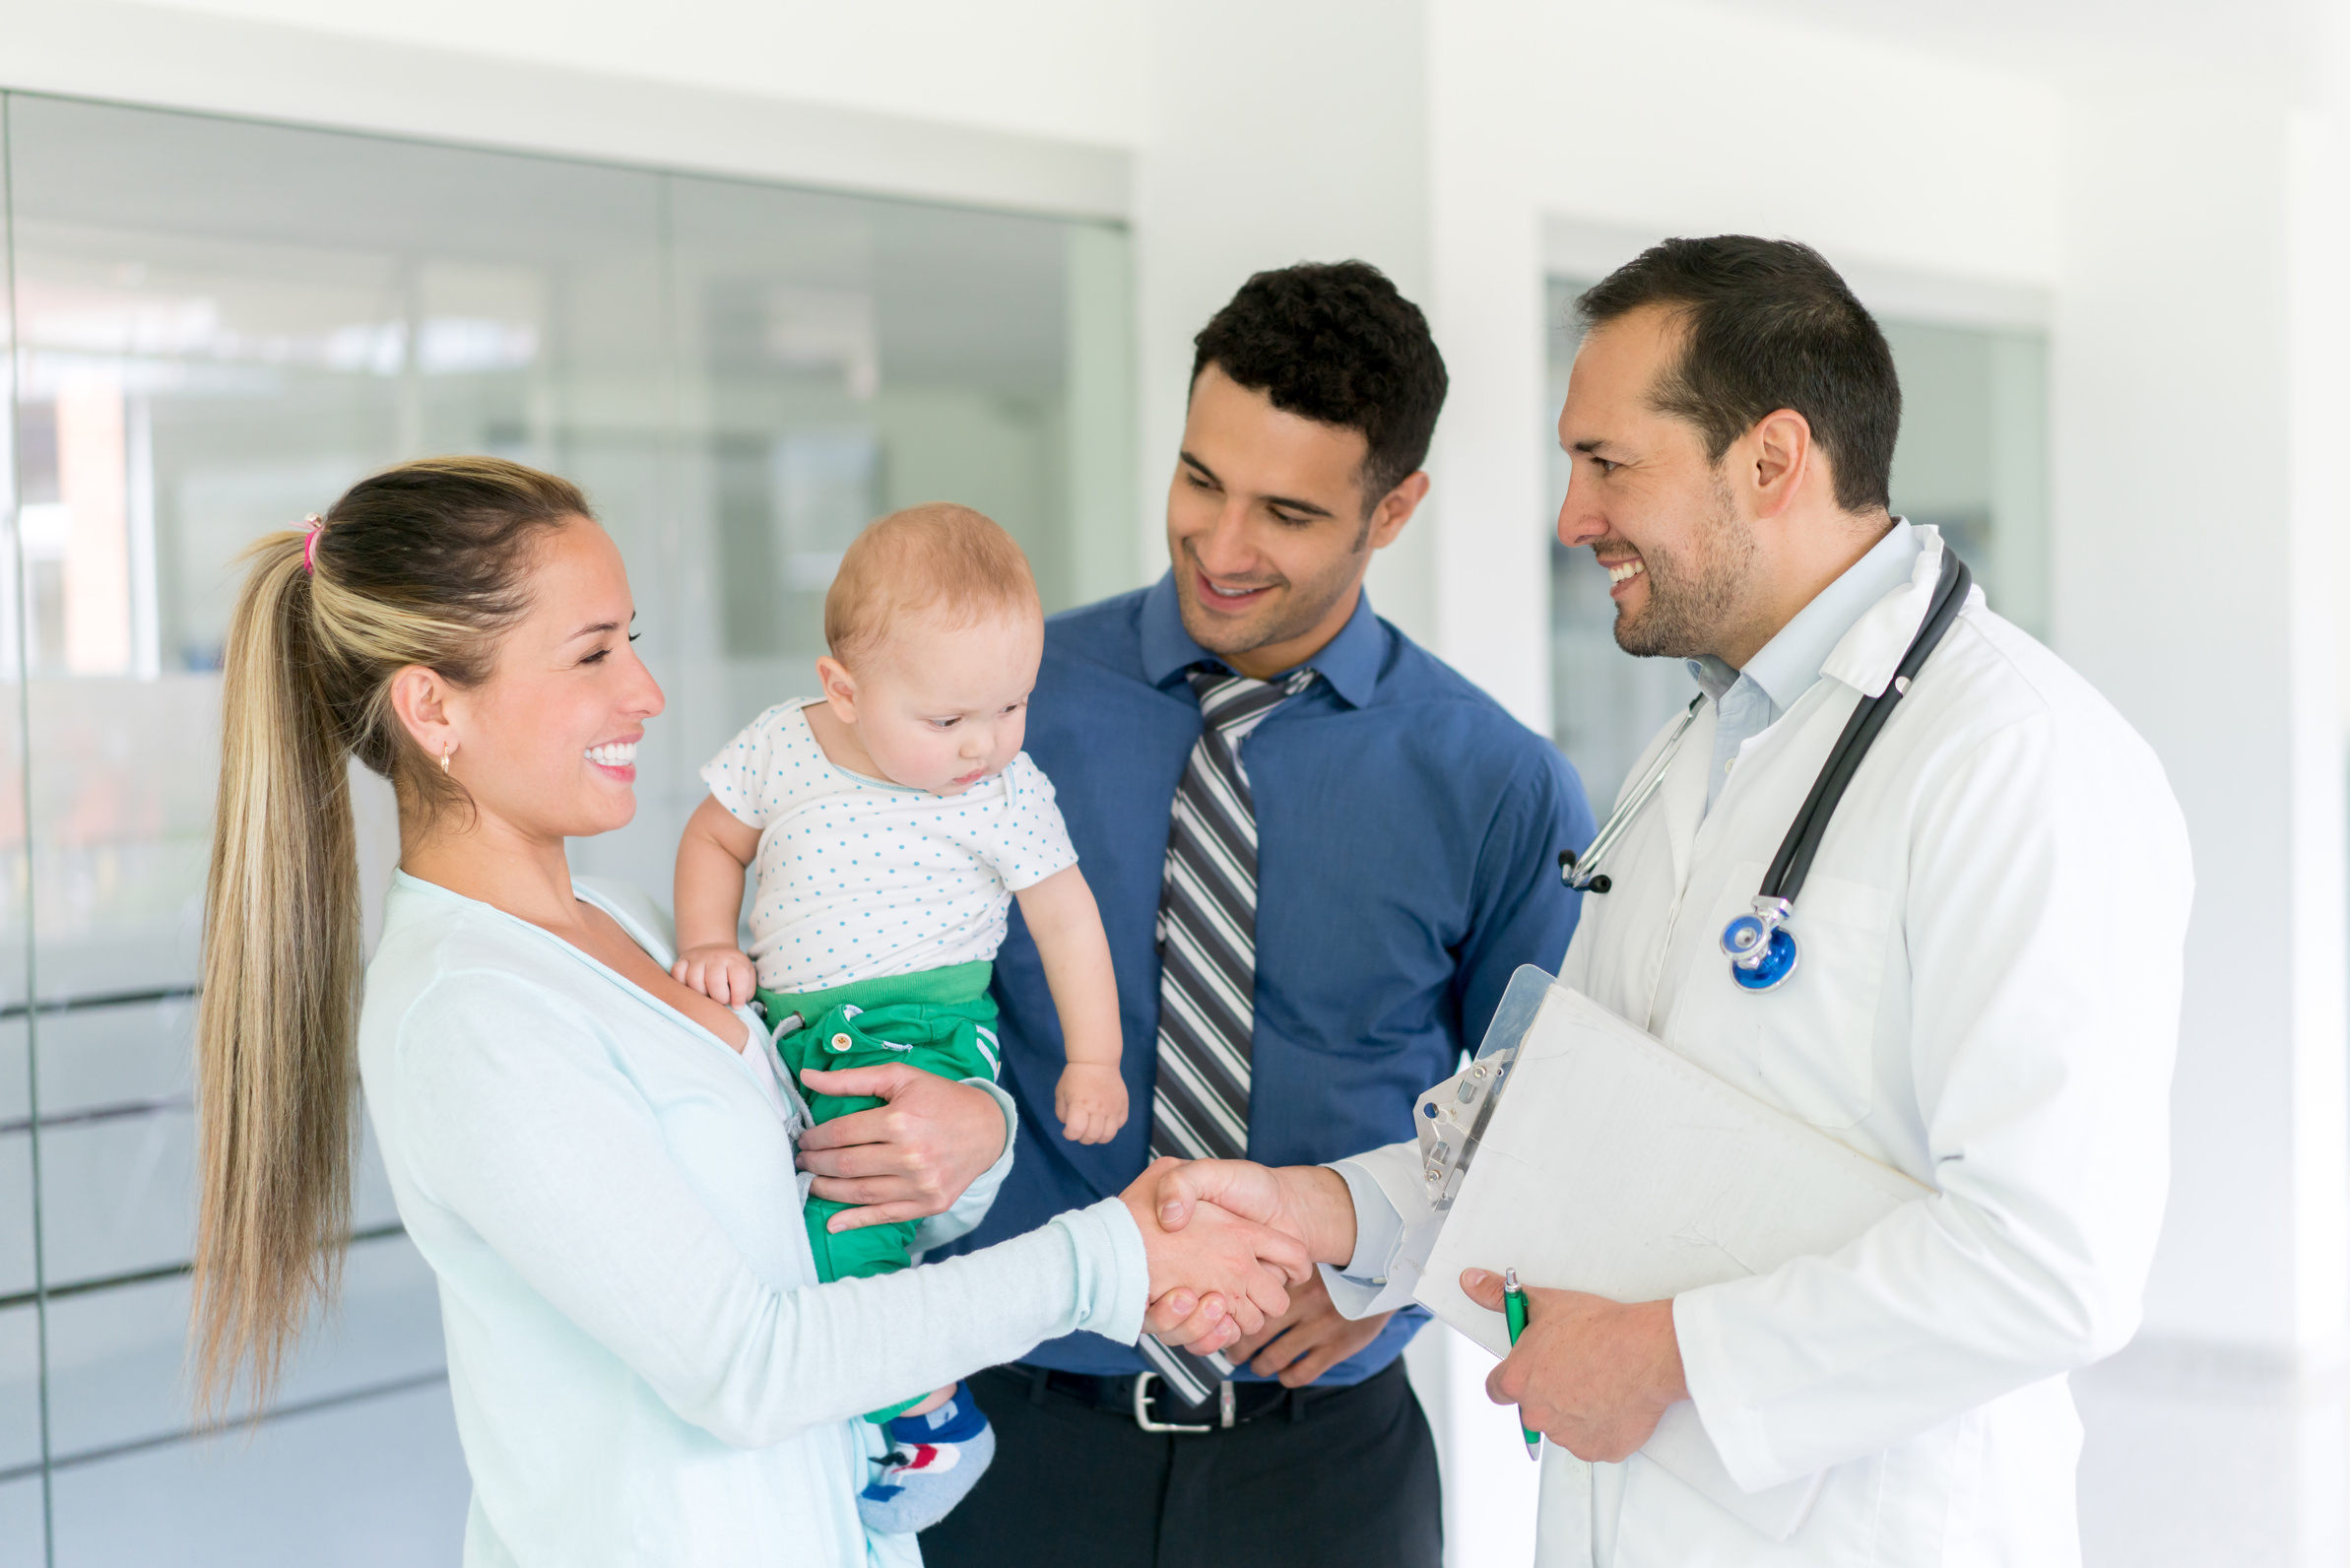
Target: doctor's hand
[[910, 1156], [1220, 1275], [1591, 1374], [1309, 1202]]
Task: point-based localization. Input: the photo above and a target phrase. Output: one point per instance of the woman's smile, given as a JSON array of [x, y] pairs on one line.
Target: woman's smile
[[616, 758]]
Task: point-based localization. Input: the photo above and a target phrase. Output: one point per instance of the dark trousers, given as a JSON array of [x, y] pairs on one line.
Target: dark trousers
[[1345, 1477]]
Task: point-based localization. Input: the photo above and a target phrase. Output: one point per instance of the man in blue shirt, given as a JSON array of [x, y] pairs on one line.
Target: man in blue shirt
[[1320, 855]]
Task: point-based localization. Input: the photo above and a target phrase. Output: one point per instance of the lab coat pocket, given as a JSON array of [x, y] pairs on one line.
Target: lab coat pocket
[[1808, 1047], [1819, 1041]]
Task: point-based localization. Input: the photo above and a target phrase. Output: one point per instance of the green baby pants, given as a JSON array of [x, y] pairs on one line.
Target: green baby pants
[[941, 1020]]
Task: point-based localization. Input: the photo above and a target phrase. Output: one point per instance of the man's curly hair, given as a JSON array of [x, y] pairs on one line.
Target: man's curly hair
[[1335, 343]]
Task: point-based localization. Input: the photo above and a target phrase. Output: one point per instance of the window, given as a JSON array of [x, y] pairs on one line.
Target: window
[[216, 327]]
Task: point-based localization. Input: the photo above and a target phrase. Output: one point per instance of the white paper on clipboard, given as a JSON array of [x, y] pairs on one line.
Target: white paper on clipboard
[[1614, 1165]]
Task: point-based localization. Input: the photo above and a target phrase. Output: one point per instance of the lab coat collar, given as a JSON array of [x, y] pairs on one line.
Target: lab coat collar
[[1786, 667], [1861, 608], [1874, 649]]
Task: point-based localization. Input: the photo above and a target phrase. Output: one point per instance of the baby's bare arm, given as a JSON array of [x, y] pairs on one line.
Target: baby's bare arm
[[1066, 925], [711, 859]]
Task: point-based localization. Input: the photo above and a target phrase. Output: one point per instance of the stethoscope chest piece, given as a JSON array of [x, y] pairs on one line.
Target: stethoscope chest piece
[[1762, 953]]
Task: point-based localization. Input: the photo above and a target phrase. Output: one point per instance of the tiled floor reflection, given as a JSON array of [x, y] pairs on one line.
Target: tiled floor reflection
[[2193, 1458], [20, 1523], [116, 1358], [2189, 1461], [378, 1484]]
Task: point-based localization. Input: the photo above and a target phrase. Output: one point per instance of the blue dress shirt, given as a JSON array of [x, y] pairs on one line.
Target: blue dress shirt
[[1408, 832]]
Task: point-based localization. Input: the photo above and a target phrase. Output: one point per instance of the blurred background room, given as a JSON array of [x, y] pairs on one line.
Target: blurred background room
[[756, 272]]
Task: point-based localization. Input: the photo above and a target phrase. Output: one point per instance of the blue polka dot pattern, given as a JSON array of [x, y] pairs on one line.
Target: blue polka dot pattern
[[859, 879]]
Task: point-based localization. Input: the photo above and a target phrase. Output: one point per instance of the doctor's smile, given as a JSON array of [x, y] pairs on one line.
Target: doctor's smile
[[1621, 572]]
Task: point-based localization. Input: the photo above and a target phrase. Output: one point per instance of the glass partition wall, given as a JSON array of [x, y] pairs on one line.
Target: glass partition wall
[[217, 326], [1972, 460]]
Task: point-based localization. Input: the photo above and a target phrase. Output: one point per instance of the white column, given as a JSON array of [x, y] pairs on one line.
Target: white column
[[1281, 131], [1489, 92], [2193, 566]]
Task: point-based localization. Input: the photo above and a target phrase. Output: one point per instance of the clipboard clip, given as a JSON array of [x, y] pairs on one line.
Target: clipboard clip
[[1452, 1117]]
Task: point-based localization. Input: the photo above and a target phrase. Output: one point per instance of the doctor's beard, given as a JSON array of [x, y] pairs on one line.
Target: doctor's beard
[[1694, 593]]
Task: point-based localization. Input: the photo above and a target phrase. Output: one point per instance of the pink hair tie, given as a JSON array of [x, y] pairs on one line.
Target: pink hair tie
[[317, 526]]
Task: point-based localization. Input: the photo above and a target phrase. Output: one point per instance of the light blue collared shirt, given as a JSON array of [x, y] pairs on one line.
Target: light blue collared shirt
[[1748, 702]]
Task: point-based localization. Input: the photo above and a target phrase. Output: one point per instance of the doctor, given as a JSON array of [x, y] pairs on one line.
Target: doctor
[[1987, 997]]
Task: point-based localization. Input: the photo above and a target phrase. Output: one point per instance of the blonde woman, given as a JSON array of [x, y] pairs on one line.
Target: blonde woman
[[600, 1165]]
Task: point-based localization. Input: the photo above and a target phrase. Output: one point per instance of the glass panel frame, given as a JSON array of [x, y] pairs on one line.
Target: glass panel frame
[[223, 324]]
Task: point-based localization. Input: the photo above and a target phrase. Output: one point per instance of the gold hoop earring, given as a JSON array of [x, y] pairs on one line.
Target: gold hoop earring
[[445, 753]]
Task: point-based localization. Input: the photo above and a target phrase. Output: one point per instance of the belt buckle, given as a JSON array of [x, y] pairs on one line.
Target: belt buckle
[[1143, 1381]]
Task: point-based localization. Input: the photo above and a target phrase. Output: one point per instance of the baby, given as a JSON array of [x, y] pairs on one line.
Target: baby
[[890, 822]]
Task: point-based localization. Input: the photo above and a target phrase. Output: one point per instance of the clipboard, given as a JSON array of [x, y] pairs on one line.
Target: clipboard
[[1589, 1155]]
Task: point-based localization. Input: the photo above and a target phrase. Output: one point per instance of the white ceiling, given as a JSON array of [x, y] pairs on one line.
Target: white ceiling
[[2072, 38]]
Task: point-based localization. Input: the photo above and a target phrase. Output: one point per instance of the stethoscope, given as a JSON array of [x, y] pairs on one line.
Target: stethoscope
[[1761, 949]]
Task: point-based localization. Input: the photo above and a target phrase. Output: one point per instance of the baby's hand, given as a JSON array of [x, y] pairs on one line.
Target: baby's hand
[[717, 972], [1090, 1101]]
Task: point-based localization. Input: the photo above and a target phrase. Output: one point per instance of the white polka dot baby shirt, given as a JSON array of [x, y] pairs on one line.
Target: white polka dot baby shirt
[[857, 877]]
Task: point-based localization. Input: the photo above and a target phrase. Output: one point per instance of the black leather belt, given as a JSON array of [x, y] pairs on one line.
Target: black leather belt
[[1145, 1400]]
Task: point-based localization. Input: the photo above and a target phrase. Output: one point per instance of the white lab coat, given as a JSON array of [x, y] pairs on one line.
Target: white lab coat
[[1986, 999]]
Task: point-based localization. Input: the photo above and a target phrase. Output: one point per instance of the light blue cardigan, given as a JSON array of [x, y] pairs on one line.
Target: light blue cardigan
[[645, 1366]]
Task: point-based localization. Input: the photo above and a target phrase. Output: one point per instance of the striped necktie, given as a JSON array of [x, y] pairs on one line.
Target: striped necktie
[[1207, 956], [1208, 928]]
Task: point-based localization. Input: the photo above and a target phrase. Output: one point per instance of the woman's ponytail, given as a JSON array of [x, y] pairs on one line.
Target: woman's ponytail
[[276, 1026], [423, 564]]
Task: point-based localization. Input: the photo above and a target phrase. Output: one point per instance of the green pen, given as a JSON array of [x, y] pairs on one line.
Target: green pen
[[1513, 1306]]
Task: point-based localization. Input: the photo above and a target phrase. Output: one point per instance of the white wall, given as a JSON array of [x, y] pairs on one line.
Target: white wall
[[1075, 70], [2175, 582], [1255, 160], [423, 74], [1677, 118]]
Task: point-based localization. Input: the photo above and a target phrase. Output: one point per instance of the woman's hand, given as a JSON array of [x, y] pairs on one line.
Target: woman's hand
[[906, 1159], [1307, 1202], [1228, 1275]]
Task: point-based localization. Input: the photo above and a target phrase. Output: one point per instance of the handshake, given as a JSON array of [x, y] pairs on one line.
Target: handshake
[[1227, 1241]]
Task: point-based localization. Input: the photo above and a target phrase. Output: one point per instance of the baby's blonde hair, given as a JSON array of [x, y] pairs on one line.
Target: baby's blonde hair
[[936, 558]]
